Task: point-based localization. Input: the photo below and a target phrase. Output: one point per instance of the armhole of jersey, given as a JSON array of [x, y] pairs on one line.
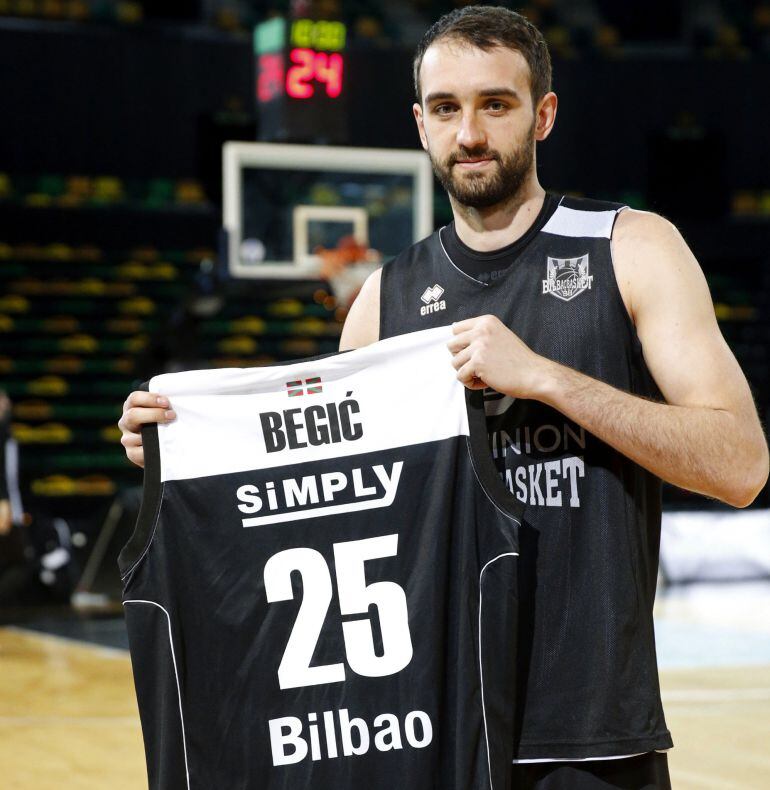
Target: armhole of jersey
[[152, 495], [481, 457]]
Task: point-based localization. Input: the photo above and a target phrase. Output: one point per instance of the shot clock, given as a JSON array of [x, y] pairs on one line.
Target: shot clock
[[300, 80]]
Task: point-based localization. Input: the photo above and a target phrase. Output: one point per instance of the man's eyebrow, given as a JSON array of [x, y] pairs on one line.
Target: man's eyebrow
[[440, 95], [499, 92]]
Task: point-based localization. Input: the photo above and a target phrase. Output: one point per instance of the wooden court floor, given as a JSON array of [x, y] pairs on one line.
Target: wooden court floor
[[68, 720]]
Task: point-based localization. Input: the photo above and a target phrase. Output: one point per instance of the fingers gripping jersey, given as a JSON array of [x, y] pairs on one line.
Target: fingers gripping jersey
[[321, 588]]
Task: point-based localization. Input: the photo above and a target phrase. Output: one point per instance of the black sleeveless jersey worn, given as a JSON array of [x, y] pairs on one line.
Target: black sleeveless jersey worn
[[320, 593], [587, 672]]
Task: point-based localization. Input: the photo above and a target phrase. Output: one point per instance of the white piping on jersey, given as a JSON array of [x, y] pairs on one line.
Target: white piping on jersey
[[584, 759], [481, 662], [176, 676], [580, 224], [455, 267]]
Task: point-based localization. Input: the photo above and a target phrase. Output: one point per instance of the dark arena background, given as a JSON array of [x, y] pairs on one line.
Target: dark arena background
[[134, 241]]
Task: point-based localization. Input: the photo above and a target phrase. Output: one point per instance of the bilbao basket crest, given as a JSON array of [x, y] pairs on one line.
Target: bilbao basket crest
[[567, 278]]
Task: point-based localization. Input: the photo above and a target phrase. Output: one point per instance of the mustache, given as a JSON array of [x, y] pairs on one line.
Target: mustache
[[471, 153]]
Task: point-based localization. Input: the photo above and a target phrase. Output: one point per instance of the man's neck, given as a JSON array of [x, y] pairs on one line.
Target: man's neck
[[498, 226]]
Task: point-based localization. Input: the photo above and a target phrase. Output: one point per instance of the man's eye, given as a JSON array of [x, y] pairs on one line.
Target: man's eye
[[496, 106], [443, 109]]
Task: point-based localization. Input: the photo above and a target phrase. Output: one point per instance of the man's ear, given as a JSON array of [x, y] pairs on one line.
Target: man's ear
[[418, 117], [545, 115]]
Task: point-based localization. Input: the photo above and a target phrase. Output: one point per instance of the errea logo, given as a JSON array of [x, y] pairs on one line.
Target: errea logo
[[432, 301]]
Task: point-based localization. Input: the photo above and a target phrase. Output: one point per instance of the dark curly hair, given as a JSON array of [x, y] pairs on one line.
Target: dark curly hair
[[487, 27]]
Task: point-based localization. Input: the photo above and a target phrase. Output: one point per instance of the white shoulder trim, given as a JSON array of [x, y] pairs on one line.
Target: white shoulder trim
[[580, 224]]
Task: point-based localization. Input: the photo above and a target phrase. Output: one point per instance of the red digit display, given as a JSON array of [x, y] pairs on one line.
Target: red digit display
[[328, 69], [298, 77], [310, 65], [270, 79]]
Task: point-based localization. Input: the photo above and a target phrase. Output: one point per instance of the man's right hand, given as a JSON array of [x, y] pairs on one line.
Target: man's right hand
[[140, 409]]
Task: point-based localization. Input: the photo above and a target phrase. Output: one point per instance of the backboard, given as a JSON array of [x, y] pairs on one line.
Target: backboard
[[286, 205]]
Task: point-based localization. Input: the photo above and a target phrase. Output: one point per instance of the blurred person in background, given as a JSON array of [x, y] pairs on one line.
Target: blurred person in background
[[35, 547], [6, 518], [15, 561]]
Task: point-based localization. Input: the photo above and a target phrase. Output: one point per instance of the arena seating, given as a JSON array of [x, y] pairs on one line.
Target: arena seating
[[573, 28], [81, 325]]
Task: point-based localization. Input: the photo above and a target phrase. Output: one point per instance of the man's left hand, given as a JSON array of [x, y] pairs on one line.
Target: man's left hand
[[487, 354]]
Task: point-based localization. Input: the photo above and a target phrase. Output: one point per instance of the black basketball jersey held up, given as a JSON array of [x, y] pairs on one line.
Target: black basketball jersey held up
[[321, 589], [587, 671]]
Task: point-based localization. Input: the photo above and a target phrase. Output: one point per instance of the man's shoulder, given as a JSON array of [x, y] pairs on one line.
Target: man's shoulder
[[643, 227], [649, 255]]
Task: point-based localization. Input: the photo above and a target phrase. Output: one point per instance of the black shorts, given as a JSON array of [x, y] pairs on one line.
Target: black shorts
[[644, 772]]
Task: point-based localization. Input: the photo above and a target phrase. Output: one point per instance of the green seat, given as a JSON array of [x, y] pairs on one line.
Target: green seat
[[50, 185], [160, 192]]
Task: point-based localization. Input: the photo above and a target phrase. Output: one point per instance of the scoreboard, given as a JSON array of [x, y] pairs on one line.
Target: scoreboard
[[300, 80]]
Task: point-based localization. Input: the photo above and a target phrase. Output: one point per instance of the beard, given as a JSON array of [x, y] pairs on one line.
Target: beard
[[486, 189]]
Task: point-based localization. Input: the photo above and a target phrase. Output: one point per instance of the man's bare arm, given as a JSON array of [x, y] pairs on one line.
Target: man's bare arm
[[362, 326], [707, 436]]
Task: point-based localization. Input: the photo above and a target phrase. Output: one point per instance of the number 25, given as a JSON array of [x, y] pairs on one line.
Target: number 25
[[356, 596]]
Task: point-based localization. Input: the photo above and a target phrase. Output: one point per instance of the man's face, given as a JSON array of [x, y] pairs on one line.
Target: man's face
[[476, 121]]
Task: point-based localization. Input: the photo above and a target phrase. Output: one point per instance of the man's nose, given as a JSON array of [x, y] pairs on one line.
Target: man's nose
[[470, 134]]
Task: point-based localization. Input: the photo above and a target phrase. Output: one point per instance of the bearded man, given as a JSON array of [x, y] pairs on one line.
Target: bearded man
[[591, 327]]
